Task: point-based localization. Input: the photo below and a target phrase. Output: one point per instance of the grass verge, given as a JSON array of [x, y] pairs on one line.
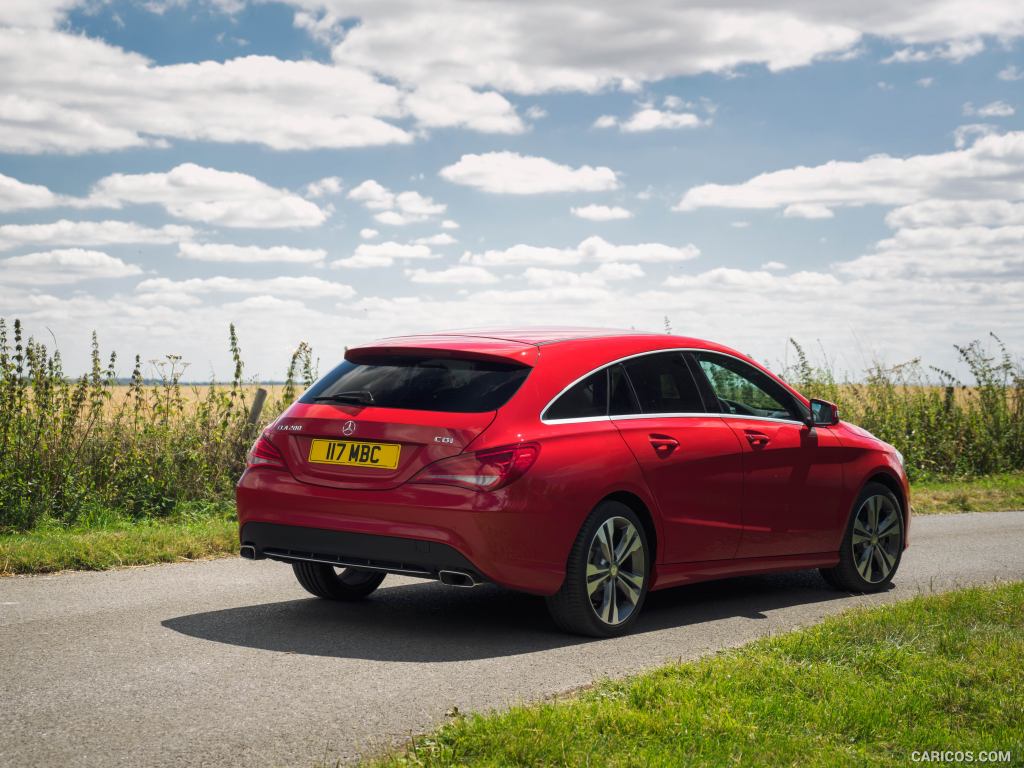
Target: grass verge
[[992, 493], [199, 531], [868, 687], [192, 532]]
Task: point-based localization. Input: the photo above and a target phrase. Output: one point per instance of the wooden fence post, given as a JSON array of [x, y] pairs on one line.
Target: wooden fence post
[[257, 406]]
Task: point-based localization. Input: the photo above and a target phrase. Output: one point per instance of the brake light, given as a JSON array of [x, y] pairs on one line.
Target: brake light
[[481, 471], [264, 454]]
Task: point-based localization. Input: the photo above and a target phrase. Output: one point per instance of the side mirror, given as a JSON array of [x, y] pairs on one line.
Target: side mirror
[[824, 413]]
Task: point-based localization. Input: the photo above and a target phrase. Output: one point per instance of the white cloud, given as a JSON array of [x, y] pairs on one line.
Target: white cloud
[[542, 277], [250, 254], [992, 109], [446, 64], [329, 185], [373, 195], [956, 213], [593, 249], [963, 135], [940, 251], [299, 287], [729, 278], [368, 233], [87, 95], [773, 266], [536, 112], [522, 48], [956, 50], [601, 212], [449, 224], [369, 255], [397, 210], [650, 119], [991, 167], [925, 82], [515, 174], [442, 238], [68, 265], [1010, 73], [227, 199], [807, 211], [461, 274], [18, 196], [451, 105], [66, 232]]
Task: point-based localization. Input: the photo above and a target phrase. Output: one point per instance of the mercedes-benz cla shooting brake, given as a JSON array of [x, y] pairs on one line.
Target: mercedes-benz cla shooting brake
[[589, 467]]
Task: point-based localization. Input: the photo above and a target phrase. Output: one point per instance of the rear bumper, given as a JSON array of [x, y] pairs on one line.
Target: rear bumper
[[411, 557], [500, 537]]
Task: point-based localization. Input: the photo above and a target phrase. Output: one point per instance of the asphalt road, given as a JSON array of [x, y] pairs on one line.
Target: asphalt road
[[228, 662]]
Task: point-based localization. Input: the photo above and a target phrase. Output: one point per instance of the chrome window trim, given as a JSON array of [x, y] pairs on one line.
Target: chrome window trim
[[619, 417]]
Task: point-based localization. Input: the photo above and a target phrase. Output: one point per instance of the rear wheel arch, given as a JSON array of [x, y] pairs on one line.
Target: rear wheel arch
[[638, 506]]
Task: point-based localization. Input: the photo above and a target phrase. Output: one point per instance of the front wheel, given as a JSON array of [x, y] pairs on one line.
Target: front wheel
[[606, 576], [873, 543], [332, 583]]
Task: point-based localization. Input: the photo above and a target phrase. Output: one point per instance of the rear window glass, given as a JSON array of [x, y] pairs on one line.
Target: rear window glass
[[663, 383], [422, 383], [586, 399]]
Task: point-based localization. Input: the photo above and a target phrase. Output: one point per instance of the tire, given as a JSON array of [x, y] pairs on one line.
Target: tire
[[616, 597], [868, 561], [324, 581]]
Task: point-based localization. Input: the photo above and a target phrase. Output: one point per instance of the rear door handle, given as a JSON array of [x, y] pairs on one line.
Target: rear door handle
[[757, 439], [663, 444]]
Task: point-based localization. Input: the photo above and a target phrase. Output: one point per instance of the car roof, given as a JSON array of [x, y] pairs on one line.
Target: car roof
[[534, 335]]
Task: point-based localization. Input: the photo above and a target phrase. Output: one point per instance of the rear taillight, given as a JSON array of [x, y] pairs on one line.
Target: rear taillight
[[481, 471], [264, 454]]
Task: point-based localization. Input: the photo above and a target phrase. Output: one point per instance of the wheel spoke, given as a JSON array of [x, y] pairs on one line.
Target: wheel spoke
[[876, 556], [864, 563], [630, 589], [596, 576], [858, 528], [888, 560], [604, 539], [630, 544], [609, 605], [889, 526], [873, 514], [860, 538]]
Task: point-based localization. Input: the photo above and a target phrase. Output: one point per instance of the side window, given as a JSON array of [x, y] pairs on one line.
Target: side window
[[587, 398], [621, 398], [742, 389], [663, 384]]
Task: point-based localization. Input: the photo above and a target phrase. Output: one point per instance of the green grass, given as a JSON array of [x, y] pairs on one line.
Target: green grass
[[109, 541], [994, 493], [865, 688], [193, 531]]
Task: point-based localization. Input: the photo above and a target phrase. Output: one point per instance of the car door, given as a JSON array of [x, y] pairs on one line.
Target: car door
[[792, 473], [691, 460]]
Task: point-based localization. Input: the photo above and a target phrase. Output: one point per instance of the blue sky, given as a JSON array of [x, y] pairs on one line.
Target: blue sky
[[335, 171]]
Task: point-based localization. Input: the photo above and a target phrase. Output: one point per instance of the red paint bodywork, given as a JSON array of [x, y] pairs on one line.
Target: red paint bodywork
[[719, 505]]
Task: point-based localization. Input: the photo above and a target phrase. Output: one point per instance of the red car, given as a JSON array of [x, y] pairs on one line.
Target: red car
[[583, 465]]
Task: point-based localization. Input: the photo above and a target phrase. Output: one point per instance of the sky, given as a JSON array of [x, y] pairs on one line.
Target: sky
[[850, 175]]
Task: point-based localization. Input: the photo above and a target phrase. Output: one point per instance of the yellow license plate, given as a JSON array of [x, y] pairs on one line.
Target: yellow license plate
[[355, 454]]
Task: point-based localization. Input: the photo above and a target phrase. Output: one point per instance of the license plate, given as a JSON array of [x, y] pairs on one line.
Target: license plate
[[355, 454]]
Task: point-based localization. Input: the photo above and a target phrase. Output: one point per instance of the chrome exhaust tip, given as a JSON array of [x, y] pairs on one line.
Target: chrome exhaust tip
[[248, 551], [456, 579]]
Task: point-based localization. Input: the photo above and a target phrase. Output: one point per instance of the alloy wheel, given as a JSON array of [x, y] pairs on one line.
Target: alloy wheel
[[877, 538], [616, 570]]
